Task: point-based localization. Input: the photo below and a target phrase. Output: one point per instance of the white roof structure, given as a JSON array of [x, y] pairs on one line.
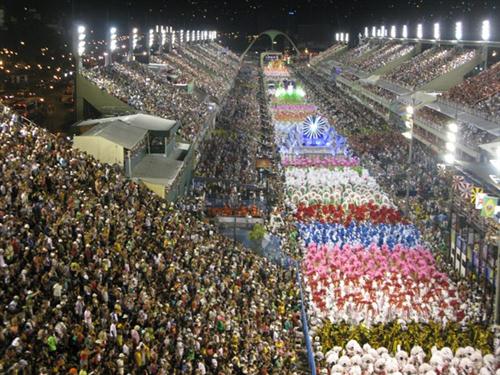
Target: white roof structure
[[117, 132], [139, 120]]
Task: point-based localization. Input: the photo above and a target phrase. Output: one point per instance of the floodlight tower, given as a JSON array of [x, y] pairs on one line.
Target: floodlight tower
[[111, 46], [80, 45], [133, 39], [485, 36]]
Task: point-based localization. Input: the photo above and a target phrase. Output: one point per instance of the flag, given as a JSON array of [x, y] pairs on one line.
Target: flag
[[489, 206]]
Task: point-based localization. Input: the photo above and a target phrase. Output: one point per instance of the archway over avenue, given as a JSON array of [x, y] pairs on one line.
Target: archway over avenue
[[272, 34]]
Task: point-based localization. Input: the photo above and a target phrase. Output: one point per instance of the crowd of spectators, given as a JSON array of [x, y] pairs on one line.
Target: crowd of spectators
[[481, 91], [467, 133], [430, 64], [353, 54], [385, 54], [348, 116], [242, 135], [100, 276], [163, 91], [326, 54], [380, 91]]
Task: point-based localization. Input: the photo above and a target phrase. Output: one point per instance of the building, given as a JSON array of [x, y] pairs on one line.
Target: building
[[144, 146]]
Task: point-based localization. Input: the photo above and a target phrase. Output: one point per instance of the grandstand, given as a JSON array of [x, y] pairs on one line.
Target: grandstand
[[333, 216]]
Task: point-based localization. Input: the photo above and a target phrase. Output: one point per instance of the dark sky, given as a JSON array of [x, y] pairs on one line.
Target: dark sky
[[250, 16]]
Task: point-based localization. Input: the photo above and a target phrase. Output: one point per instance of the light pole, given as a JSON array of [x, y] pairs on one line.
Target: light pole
[[485, 36], [80, 50], [449, 159], [496, 314], [111, 46], [409, 134], [133, 43]]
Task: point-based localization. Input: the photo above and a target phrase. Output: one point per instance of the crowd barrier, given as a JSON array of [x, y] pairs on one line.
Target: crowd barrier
[[273, 252]]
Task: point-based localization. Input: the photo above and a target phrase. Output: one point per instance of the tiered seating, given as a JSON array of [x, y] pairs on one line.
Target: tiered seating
[[429, 65], [384, 55], [480, 92]]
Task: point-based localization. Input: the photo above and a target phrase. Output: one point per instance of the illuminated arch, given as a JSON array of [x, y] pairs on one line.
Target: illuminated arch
[[272, 34]]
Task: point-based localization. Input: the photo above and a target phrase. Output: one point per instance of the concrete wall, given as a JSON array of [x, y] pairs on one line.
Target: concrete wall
[[100, 148], [453, 78], [98, 98]]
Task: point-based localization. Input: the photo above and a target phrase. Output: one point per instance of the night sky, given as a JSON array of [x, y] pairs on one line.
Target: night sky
[[250, 16]]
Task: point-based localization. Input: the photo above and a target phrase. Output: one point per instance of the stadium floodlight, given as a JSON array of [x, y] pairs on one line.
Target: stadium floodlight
[[449, 158], [405, 32], [81, 40], [374, 31], [367, 32], [437, 31], [393, 31], [346, 37], [151, 39], [453, 127], [458, 30], [420, 31], [163, 36], [135, 37], [112, 39], [485, 30]]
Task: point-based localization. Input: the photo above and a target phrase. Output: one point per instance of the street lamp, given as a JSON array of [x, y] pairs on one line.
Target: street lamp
[[374, 31], [367, 33], [405, 32], [346, 38], [336, 37], [458, 30], [342, 37], [420, 31]]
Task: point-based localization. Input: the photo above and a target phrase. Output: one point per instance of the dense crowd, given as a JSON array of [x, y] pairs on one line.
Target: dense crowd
[[481, 91], [162, 92], [467, 133], [101, 276], [429, 65], [325, 55], [227, 168], [383, 55]]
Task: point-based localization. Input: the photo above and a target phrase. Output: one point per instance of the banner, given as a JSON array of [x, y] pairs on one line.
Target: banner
[[489, 206]]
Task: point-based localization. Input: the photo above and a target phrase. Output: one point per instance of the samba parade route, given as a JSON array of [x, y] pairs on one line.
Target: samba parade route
[[376, 298]]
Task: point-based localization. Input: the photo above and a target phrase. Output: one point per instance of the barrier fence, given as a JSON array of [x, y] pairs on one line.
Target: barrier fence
[[273, 252]]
